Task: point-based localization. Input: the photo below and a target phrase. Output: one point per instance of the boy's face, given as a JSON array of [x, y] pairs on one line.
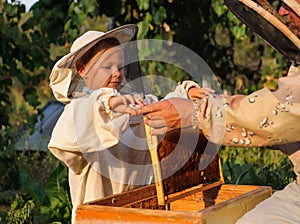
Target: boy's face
[[105, 69], [291, 17]]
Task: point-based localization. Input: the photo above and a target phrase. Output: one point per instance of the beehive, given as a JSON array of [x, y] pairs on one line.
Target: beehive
[[190, 195]]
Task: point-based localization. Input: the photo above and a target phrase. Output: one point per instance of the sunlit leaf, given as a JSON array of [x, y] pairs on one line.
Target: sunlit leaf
[[143, 4], [143, 29], [160, 15]]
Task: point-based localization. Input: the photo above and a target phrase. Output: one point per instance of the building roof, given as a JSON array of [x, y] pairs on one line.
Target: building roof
[[43, 128]]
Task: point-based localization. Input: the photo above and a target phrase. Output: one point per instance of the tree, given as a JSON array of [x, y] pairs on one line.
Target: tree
[[32, 41]]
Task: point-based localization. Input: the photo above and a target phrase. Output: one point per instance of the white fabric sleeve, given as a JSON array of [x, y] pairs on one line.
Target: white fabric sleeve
[[104, 127], [181, 90], [87, 125], [103, 98], [149, 98]]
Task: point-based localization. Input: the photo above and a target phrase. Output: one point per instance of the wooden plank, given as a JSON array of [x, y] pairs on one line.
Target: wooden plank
[[227, 211], [192, 190], [125, 198], [93, 214], [232, 209], [152, 145], [211, 197]]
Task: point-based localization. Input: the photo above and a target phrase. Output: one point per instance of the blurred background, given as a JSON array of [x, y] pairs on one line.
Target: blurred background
[[35, 34]]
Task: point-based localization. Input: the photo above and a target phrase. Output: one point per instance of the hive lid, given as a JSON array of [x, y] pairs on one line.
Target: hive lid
[[264, 21]]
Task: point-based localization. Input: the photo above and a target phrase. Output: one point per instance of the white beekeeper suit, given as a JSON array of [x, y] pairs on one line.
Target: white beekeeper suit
[[106, 152]]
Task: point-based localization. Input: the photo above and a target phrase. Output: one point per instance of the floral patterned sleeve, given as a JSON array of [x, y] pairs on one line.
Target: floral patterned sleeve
[[260, 119]]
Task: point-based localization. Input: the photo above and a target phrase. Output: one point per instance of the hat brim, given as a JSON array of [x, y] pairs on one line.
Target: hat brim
[[61, 74], [123, 34], [267, 26]]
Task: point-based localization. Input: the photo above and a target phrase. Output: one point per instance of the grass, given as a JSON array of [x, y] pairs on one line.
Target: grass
[[256, 166]]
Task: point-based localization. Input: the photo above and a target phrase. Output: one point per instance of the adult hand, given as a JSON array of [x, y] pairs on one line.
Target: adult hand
[[168, 114], [199, 93], [125, 104]]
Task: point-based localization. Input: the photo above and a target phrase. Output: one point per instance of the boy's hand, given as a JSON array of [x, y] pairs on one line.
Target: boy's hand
[[125, 104], [199, 93]]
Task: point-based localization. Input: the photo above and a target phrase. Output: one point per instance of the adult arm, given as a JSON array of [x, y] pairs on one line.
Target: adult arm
[[261, 118]]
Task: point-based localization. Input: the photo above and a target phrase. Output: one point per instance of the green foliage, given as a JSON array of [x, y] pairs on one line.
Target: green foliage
[[57, 205], [208, 28], [77, 13], [31, 42], [50, 204], [53, 200], [20, 211], [258, 166], [8, 165], [143, 4], [33, 187]]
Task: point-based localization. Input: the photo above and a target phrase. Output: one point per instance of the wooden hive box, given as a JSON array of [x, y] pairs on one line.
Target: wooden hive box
[[190, 195]]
